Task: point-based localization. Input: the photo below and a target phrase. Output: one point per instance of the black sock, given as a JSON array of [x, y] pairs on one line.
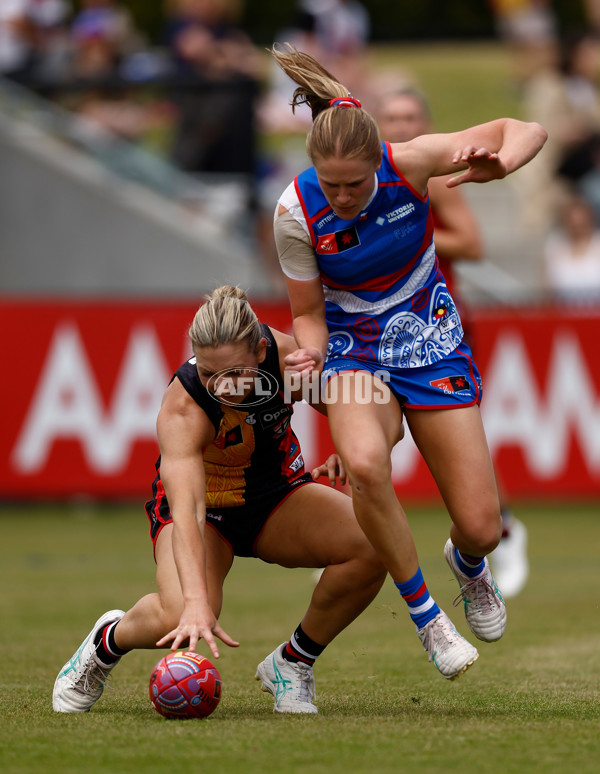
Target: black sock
[[301, 648], [107, 650]]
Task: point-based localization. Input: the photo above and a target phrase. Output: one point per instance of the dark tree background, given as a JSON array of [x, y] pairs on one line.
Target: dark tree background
[[390, 19]]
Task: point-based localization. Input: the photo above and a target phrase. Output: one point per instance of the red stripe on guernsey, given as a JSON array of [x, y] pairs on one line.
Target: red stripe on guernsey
[[384, 283], [401, 176], [320, 214], [419, 593], [309, 222]]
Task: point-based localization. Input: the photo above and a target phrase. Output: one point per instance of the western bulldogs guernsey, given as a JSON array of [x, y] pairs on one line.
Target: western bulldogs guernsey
[[254, 450], [386, 299]]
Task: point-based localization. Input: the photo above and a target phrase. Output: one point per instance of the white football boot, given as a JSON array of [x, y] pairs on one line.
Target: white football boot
[[448, 649], [80, 683], [292, 684], [485, 610], [509, 560]]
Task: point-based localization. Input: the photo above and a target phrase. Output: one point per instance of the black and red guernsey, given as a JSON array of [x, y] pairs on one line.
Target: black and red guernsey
[[254, 450]]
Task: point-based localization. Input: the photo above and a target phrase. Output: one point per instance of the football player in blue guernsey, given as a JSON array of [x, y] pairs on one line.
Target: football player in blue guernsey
[[231, 482], [355, 240]]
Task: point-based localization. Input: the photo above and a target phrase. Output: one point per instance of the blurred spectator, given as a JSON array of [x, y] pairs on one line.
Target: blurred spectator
[[529, 28], [102, 34], [339, 29], [31, 37], [216, 68], [525, 21], [105, 46], [592, 13], [336, 33], [564, 97], [572, 252], [204, 39]]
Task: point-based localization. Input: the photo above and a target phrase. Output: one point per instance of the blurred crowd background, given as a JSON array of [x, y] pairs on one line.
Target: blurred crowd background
[[189, 83]]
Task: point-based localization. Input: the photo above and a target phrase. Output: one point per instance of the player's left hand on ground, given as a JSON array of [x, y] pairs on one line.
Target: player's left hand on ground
[[333, 468], [483, 166]]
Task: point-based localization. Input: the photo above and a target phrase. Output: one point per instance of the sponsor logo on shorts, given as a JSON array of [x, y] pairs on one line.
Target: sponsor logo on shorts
[[458, 385]]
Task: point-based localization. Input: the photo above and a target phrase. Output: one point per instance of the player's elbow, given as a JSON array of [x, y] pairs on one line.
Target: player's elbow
[[540, 133]]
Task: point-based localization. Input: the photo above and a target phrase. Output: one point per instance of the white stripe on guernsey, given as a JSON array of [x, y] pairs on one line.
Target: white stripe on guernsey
[[422, 608], [297, 647], [353, 304]]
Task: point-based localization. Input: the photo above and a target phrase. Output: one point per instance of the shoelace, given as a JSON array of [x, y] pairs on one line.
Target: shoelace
[[441, 626], [478, 591], [94, 676], [307, 689]]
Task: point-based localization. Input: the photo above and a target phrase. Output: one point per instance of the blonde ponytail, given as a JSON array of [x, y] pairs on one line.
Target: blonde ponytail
[[342, 132]]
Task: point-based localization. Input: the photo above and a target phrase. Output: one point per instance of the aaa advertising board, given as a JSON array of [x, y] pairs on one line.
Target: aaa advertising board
[[83, 381]]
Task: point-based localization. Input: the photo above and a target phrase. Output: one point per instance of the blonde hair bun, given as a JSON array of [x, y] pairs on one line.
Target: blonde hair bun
[[225, 318]]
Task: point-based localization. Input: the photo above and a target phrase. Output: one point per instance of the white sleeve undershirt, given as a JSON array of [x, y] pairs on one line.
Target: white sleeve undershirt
[[296, 255]]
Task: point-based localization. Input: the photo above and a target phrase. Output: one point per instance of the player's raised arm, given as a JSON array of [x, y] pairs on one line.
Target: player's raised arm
[[486, 152]]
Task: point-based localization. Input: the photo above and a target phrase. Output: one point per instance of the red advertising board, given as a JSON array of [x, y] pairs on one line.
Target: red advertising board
[[82, 383]]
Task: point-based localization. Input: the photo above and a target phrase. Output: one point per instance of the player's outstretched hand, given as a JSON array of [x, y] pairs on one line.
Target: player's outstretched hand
[[483, 166], [304, 361], [197, 622], [333, 468]]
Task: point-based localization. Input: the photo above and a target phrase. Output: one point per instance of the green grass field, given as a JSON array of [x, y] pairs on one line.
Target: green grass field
[[530, 703]]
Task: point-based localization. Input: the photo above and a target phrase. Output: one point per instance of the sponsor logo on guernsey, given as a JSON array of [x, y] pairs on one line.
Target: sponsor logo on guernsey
[[270, 418], [297, 464], [397, 214], [324, 221], [338, 241], [453, 384]]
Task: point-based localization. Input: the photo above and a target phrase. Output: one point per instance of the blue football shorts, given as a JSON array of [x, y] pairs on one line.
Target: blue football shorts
[[452, 382]]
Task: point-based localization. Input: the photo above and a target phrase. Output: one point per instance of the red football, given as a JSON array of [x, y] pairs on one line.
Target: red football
[[185, 685]]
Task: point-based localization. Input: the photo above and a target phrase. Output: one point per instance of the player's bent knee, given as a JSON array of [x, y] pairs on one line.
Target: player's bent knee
[[482, 535], [368, 470]]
